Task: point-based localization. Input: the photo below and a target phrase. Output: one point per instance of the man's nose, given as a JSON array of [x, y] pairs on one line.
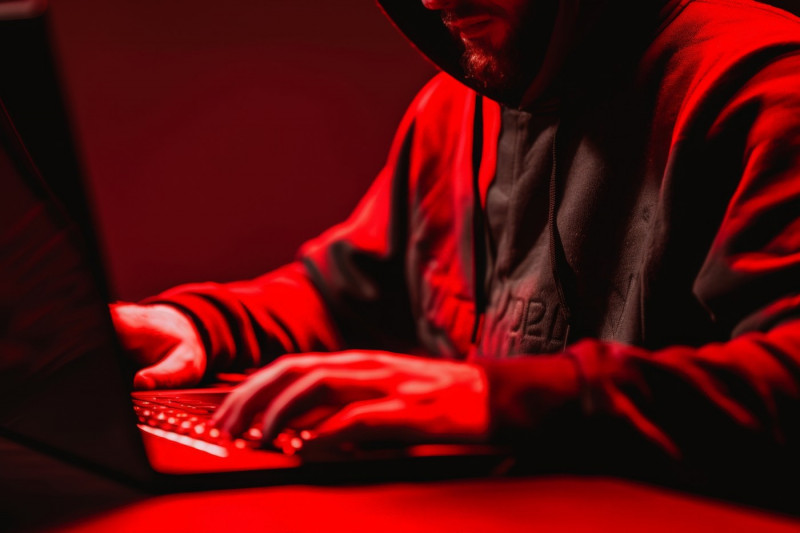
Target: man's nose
[[439, 4]]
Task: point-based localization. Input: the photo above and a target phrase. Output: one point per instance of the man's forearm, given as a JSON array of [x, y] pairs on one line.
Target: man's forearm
[[719, 406], [249, 323]]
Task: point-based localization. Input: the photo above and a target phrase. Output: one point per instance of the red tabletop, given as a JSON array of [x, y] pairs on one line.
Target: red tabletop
[[550, 504], [41, 493]]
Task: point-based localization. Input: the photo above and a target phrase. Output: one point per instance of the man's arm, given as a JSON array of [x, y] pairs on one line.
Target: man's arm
[[728, 406], [735, 402], [731, 405]]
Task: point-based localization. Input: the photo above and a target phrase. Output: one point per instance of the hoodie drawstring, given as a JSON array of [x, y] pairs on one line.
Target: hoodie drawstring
[[478, 222], [558, 258]]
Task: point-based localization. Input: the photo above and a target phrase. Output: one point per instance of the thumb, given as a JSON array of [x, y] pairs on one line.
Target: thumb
[[183, 366]]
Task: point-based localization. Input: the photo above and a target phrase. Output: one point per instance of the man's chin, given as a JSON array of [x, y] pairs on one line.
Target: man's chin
[[487, 71]]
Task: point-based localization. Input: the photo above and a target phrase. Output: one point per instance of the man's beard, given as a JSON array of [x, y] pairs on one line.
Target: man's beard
[[493, 70], [506, 70]]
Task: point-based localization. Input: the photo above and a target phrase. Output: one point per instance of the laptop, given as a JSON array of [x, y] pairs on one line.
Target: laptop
[[65, 383]]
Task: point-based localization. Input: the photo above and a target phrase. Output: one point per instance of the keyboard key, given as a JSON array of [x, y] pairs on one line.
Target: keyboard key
[[253, 434]]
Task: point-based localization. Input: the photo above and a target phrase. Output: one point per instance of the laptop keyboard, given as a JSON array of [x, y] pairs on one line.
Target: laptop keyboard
[[184, 419], [187, 416]]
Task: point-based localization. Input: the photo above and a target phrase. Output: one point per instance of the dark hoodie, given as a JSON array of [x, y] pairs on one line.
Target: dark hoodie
[[620, 248]]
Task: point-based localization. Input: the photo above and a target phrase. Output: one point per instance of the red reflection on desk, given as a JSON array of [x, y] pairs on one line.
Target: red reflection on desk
[[560, 504]]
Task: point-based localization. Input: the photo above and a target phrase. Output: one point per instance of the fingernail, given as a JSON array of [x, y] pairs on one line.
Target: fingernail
[[144, 382]]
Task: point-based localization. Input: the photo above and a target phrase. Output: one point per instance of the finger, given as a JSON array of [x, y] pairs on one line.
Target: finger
[[128, 320], [291, 402], [239, 409], [248, 399], [318, 387], [359, 423], [241, 405], [119, 310], [179, 368]]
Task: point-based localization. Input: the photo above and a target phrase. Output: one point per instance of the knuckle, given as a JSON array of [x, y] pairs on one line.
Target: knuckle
[[290, 364]]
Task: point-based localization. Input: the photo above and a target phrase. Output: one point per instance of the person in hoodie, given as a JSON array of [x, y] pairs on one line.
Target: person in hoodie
[[585, 245]]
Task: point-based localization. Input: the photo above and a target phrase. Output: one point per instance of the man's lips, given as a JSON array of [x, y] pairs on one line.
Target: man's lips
[[470, 27]]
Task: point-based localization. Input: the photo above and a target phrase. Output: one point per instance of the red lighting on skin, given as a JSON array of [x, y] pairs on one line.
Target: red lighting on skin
[[377, 396], [471, 27], [492, 23]]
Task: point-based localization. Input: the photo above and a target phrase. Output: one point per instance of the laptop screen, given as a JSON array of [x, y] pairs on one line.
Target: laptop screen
[[62, 384]]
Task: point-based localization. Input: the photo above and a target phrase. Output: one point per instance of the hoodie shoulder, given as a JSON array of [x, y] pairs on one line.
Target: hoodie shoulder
[[710, 34], [711, 49], [442, 95], [735, 25]]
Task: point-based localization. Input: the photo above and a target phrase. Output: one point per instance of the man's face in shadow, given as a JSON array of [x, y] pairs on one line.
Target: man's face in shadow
[[501, 39]]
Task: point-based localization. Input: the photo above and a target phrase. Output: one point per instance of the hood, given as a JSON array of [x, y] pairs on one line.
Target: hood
[[580, 38]]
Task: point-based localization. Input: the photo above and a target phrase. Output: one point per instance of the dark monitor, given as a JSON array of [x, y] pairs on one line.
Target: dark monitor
[[58, 351]]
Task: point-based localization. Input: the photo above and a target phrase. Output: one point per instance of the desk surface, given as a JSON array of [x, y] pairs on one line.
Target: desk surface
[[41, 493]]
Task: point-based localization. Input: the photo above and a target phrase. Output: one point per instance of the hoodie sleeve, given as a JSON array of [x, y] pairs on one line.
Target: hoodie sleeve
[[729, 407], [345, 290]]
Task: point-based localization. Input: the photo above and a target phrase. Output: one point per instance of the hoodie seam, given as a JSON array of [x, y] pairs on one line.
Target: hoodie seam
[[778, 12], [670, 16]]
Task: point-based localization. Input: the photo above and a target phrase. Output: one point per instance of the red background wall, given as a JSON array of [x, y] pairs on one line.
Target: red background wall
[[217, 136]]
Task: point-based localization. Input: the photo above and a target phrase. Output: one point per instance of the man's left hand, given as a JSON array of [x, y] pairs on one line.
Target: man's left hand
[[361, 397]]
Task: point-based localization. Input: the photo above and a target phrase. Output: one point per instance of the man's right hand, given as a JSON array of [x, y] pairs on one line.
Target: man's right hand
[[164, 343]]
